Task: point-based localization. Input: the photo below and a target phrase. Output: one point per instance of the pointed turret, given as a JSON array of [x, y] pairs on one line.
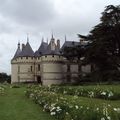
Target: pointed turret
[[65, 38], [18, 51], [27, 51], [41, 49]]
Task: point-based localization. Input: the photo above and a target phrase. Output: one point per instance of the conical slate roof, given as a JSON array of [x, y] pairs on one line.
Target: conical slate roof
[[41, 49], [17, 53], [27, 51]]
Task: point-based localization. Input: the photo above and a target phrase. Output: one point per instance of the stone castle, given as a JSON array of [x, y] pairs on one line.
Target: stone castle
[[45, 66]]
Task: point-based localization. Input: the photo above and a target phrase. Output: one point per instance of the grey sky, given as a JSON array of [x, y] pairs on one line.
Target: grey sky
[[40, 17]]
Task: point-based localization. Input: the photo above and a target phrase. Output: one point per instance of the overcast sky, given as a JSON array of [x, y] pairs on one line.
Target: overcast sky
[[39, 18]]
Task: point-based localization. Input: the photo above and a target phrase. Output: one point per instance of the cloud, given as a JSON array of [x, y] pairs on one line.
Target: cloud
[[28, 12]]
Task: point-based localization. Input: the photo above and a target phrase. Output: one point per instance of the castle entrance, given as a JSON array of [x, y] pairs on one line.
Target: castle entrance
[[39, 80]]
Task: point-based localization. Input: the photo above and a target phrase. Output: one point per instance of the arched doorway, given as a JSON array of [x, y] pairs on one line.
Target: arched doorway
[[39, 80]]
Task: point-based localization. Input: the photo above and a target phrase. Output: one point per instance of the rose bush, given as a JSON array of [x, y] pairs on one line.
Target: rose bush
[[96, 92], [68, 107]]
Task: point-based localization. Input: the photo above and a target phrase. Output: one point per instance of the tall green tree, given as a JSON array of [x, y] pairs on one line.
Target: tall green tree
[[104, 49]]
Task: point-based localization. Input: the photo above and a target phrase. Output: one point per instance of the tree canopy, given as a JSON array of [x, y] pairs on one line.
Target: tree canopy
[[104, 49]]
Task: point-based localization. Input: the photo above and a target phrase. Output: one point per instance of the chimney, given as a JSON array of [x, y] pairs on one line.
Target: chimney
[[58, 44], [18, 45], [23, 46], [82, 41]]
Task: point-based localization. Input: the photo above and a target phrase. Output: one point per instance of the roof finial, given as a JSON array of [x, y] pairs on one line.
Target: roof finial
[[27, 37], [18, 41], [47, 40], [42, 39], [65, 38], [19, 44], [52, 35]]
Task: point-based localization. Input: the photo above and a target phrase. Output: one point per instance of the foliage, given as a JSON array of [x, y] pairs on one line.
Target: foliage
[[2, 90], [15, 86], [104, 49], [65, 107], [91, 92], [5, 78], [71, 53]]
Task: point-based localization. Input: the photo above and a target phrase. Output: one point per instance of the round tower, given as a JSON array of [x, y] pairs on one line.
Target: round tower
[[22, 64], [52, 69]]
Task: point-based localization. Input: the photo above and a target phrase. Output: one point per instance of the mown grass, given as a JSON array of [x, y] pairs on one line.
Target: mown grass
[[15, 106]]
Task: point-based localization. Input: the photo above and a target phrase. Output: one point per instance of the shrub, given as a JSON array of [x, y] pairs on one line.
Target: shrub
[[65, 107]]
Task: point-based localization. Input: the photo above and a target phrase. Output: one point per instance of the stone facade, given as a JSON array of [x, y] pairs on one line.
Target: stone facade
[[46, 66]]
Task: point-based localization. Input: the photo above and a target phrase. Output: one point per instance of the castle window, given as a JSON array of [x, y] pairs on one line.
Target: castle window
[[45, 56], [18, 69], [21, 57], [31, 68], [79, 68], [26, 57], [68, 68], [52, 55], [38, 67]]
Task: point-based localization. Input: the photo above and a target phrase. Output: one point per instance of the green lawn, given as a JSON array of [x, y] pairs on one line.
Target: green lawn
[[15, 106]]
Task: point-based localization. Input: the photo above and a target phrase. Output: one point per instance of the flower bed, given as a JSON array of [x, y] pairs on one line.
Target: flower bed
[[96, 92], [66, 107], [2, 90]]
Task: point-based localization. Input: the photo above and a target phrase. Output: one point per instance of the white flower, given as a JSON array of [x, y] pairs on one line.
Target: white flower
[[70, 106], [109, 105], [75, 97], [97, 109], [110, 94], [102, 118], [52, 113], [108, 117], [58, 109], [91, 94], [64, 92], [66, 113], [76, 107], [81, 107], [53, 108], [87, 108], [103, 93], [115, 109]]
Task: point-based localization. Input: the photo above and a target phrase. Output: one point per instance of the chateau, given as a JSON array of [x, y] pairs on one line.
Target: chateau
[[47, 65]]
